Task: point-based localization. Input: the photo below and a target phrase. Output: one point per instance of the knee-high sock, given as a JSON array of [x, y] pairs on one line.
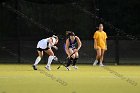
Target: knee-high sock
[[74, 61], [69, 62], [37, 60], [50, 60]]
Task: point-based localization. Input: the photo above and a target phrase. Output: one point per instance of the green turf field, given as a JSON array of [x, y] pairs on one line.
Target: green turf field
[[19, 78]]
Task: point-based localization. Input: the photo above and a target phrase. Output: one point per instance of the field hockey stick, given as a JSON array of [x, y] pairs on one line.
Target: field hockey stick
[[61, 63]]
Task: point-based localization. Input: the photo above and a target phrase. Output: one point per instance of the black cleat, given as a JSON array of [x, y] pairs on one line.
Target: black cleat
[[34, 67], [68, 68]]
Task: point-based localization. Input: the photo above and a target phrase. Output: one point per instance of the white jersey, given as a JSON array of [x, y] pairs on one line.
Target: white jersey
[[44, 43]]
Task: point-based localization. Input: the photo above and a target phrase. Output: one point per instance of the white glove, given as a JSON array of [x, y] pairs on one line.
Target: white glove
[[55, 58]]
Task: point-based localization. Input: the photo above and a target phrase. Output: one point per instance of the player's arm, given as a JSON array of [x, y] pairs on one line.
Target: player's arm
[[50, 43], [67, 47], [95, 40], [95, 43], [79, 43], [55, 47], [105, 44], [105, 41]]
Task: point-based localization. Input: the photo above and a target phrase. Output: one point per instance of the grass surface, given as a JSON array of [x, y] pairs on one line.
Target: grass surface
[[19, 78]]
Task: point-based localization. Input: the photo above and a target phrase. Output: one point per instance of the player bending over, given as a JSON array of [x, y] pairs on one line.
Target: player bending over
[[71, 43], [45, 45], [100, 45]]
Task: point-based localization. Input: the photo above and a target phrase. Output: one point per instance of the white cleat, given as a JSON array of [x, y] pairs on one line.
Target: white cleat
[[48, 68], [101, 65], [95, 63], [68, 68], [75, 67]]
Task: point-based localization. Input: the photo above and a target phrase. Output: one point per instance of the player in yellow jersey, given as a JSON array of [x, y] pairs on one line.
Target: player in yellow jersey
[[100, 45]]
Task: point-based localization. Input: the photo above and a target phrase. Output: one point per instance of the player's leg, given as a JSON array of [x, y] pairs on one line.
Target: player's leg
[[75, 60], [102, 57], [98, 55], [50, 58], [70, 59], [38, 59]]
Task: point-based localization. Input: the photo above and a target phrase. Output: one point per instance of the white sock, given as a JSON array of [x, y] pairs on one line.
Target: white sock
[[50, 60], [96, 60], [101, 63], [37, 60]]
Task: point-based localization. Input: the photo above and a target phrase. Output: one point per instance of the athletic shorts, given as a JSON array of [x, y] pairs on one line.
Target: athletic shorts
[[101, 47], [40, 49]]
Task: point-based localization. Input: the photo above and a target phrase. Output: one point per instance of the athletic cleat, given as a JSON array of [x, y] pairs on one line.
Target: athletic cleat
[[101, 65], [34, 67], [68, 68], [95, 63], [75, 67], [48, 68]]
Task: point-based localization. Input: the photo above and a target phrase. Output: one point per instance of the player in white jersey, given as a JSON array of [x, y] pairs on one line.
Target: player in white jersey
[[45, 45]]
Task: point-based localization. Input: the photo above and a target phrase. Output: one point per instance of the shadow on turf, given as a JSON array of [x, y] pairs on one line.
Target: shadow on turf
[[122, 77], [51, 76], [2, 92]]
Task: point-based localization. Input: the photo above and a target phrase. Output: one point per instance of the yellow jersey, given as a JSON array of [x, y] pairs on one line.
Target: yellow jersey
[[100, 37]]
